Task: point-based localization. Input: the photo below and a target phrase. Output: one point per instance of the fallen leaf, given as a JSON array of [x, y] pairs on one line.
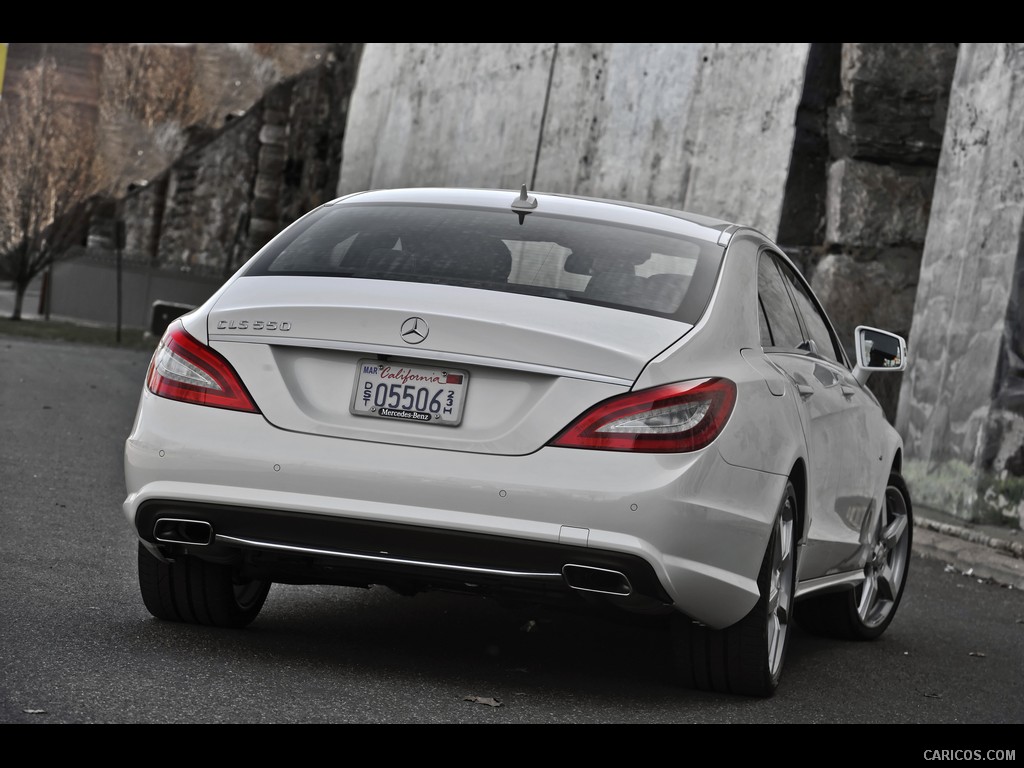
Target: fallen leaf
[[933, 695], [483, 700], [976, 653], [528, 626], [34, 711]]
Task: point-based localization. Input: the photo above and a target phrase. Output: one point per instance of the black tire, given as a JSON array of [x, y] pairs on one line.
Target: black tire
[[193, 591], [747, 657], [864, 613]]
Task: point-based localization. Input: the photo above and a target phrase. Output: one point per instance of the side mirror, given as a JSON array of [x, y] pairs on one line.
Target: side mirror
[[878, 350]]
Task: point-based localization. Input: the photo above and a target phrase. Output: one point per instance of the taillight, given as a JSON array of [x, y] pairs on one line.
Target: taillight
[[670, 419], [184, 369]]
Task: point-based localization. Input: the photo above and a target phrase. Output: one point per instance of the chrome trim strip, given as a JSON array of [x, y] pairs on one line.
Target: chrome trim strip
[[426, 354], [810, 586], [221, 538]]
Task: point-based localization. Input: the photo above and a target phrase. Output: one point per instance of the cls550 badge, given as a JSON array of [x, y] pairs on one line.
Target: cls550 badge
[[255, 325]]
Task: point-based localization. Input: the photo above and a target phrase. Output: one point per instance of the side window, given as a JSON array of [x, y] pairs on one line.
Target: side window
[[817, 326], [766, 330], [779, 315]]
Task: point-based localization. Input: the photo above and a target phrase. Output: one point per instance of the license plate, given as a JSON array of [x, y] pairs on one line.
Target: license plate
[[431, 395]]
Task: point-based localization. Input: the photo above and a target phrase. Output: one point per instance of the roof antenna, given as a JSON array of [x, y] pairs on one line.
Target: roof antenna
[[523, 204]]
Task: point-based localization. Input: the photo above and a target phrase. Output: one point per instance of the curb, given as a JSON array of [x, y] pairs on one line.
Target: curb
[[971, 552]]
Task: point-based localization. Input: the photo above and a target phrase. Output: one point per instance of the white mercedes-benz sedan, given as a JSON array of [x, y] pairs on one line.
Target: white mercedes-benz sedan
[[538, 398]]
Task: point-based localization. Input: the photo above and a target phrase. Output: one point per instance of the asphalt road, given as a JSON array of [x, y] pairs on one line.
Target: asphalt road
[[78, 647]]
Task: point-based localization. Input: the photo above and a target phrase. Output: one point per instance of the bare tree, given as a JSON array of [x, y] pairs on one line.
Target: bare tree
[[147, 100], [47, 178]]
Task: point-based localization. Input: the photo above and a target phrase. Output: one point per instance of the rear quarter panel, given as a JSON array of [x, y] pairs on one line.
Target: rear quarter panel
[[764, 431]]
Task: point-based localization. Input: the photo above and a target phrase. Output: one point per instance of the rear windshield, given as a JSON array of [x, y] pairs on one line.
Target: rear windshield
[[569, 259]]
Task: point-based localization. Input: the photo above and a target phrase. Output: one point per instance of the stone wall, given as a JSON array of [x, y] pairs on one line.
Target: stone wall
[[147, 103], [226, 196], [885, 130], [961, 404]]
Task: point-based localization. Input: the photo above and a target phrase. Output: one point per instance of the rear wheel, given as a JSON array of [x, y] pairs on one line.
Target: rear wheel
[[747, 657], [865, 612], [193, 591]]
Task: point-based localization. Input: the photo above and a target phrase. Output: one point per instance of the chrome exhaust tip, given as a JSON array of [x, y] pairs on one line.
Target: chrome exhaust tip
[[587, 578], [169, 530]]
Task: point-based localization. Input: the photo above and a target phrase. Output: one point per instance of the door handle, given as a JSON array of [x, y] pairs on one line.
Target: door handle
[[805, 390]]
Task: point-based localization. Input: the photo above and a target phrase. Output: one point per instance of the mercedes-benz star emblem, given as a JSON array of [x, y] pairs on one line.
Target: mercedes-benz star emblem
[[414, 330]]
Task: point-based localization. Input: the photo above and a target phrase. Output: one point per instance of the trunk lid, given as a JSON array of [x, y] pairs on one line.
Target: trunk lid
[[524, 366]]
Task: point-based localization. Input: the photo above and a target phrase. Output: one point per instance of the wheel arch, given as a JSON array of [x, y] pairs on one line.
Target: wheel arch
[[897, 462], [798, 476]]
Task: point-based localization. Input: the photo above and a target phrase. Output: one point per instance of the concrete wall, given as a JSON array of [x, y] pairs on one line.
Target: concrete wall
[[961, 409], [660, 123], [435, 114]]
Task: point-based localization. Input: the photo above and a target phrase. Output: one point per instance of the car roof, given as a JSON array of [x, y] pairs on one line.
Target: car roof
[[612, 211]]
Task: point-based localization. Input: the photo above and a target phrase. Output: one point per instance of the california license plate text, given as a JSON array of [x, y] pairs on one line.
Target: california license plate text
[[409, 393]]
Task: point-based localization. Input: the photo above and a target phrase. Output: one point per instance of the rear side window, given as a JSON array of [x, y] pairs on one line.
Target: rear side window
[[790, 318], [780, 324], [568, 259], [818, 331]]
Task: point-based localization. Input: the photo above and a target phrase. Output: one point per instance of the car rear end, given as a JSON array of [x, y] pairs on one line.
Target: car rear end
[[435, 389]]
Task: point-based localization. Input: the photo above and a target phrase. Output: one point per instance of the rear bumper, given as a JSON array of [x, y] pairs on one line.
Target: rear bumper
[[647, 532], [303, 548]]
